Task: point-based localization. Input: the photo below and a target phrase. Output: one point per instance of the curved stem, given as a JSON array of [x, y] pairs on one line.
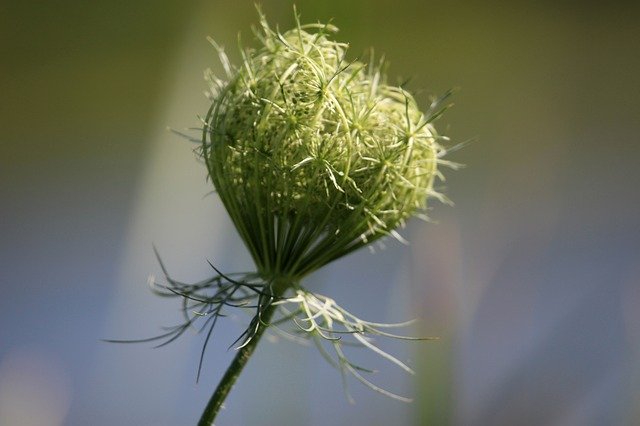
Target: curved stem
[[233, 372]]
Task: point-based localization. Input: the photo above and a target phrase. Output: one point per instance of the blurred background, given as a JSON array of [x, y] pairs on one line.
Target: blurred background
[[532, 281]]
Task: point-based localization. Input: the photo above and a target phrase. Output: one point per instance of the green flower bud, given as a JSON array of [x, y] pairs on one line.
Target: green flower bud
[[314, 156]]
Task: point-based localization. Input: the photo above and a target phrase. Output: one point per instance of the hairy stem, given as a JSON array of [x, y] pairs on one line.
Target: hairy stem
[[234, 370]]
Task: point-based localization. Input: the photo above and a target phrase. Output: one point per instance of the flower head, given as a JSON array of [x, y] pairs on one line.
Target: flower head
[[313, 155]]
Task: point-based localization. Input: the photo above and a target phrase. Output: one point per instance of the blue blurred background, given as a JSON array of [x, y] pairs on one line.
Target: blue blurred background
[[532, 281]]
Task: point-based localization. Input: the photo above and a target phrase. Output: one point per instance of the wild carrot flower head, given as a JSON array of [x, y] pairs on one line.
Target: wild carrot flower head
[[314, 155]]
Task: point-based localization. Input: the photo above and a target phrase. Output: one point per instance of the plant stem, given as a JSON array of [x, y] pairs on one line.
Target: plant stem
[[233, 372]]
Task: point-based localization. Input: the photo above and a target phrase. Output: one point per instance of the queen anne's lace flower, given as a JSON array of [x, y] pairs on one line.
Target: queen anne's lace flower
[[312, 155]]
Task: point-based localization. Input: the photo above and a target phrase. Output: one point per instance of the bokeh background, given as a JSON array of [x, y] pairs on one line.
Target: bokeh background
[[532, 281]]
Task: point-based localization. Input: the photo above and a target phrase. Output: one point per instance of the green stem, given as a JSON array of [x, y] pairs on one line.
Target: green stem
[[233, 372]]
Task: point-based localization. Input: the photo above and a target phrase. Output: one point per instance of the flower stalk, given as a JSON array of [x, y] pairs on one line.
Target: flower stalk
[[233, 372]]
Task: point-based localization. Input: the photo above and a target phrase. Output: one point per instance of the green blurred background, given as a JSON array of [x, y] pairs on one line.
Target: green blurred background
[[532, 281]]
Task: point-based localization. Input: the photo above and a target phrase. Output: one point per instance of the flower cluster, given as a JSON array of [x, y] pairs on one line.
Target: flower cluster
[[314, 156]]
